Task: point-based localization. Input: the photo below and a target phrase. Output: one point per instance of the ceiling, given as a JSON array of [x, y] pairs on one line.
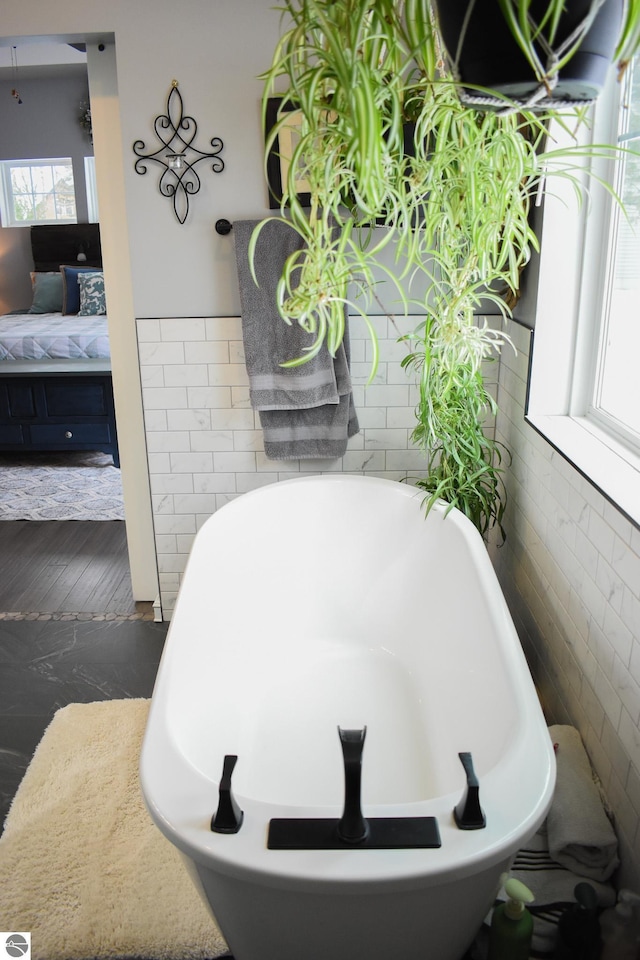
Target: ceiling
[[45, 57]]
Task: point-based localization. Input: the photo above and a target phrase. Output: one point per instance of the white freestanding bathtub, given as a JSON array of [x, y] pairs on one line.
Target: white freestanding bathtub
[[331, 601]]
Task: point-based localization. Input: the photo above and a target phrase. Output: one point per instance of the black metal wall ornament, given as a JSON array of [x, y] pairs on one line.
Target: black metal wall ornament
[[177, 155]]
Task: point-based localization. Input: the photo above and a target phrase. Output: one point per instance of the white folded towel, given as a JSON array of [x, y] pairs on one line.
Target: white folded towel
[[579, 831], [553, 887]]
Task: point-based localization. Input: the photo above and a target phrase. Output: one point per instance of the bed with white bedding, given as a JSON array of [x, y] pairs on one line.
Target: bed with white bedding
[[55, 368], [53, 336]]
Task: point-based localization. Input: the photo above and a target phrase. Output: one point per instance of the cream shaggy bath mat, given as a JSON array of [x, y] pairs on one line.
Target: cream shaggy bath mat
[[82, 866]]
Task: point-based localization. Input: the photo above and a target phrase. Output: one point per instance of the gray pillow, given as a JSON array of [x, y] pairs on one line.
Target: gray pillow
[[47, 293]]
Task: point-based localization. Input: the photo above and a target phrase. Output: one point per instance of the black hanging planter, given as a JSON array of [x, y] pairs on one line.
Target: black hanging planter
[[484, 53]]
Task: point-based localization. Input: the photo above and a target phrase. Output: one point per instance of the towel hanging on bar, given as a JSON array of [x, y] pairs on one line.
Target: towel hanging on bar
[[307, 411]]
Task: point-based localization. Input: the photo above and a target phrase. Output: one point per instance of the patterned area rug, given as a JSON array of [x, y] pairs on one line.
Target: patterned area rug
[[60, 486]]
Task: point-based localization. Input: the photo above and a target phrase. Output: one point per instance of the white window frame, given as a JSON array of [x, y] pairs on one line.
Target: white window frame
[[91, 188], [596, 411], [573, 271], [7, 210]]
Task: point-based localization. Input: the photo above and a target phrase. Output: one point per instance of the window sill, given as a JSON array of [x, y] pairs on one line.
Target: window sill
[[611, 467], [19, 224]]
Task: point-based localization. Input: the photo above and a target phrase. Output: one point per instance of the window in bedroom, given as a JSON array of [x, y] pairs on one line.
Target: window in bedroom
[[92, 189], [37, 191]]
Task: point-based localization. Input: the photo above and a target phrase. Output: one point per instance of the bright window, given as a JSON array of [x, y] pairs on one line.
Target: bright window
[[584, 386], [37, 191], [616, 398], [92, 189]]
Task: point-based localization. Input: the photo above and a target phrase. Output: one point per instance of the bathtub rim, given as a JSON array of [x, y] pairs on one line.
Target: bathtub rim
[[482, 850], [245, 856]]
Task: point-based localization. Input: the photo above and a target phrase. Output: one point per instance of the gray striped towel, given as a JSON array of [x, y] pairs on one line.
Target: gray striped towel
[[306, 411]]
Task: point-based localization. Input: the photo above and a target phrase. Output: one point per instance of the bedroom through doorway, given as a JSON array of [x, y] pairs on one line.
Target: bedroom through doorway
[[63, 539]]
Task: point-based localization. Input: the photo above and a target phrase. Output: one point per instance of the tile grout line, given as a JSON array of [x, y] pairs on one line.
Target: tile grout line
[[87, 617]]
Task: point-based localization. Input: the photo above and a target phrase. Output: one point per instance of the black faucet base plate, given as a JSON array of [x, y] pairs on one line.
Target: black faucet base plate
[[385, 833]]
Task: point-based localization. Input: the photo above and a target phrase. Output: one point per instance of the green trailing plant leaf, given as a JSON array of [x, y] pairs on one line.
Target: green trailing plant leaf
[[453, 202], [629, 40]]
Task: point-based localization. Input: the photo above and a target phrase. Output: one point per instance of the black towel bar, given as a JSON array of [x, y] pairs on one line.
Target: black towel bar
[[223, 227]]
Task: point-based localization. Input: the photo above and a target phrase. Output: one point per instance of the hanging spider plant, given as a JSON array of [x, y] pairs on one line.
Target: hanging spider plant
[[455, 208], [538, 36], [538, 25], [473, 190], [629, 39], [539, 53], [345, 72]]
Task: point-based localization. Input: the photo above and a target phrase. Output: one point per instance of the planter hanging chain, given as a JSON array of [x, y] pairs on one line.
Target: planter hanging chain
[[542, 95]]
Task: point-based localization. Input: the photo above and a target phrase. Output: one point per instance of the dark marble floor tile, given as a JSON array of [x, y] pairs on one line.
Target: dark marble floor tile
[[15, 644], [126, 641], [45, 665], [19, 737], [45, 685]]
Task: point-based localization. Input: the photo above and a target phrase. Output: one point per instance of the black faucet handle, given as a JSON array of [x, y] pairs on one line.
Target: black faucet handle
[[228, 817], [352, 826], [468, 814]]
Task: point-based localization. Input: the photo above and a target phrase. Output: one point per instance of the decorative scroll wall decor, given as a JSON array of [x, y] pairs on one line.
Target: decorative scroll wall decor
[[177, 155]]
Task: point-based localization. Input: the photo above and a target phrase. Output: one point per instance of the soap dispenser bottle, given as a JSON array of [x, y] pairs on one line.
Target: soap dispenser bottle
[[620, 926], [511, 924], [579, 928]]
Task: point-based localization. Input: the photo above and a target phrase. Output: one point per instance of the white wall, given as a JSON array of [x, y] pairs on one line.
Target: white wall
[[105, 115], [570, 569], [215, 49]]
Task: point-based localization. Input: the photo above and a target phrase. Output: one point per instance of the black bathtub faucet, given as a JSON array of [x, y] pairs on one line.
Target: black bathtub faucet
[[352, 830], [468, 814], [228, 817], [352, 826]]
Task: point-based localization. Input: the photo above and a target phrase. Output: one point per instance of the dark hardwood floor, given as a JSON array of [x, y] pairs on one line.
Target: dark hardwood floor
[[51, 572], [65, 566], [62, 567]]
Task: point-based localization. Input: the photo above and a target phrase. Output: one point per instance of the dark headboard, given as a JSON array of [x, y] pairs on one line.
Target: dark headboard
[[56, 244]]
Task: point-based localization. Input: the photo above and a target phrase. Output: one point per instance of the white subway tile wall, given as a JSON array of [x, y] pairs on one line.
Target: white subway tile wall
[[204, 441], [570, 567], [570, 570]]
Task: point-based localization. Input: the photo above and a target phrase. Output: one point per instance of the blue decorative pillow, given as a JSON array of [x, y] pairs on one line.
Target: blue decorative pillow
[[92, 299], [70, 288], [47, 293]]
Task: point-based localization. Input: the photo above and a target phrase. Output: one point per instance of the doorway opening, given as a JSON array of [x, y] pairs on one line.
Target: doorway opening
[[54, 567]]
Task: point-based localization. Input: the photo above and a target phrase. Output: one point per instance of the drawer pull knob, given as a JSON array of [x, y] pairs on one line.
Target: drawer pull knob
[[68, 435]]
